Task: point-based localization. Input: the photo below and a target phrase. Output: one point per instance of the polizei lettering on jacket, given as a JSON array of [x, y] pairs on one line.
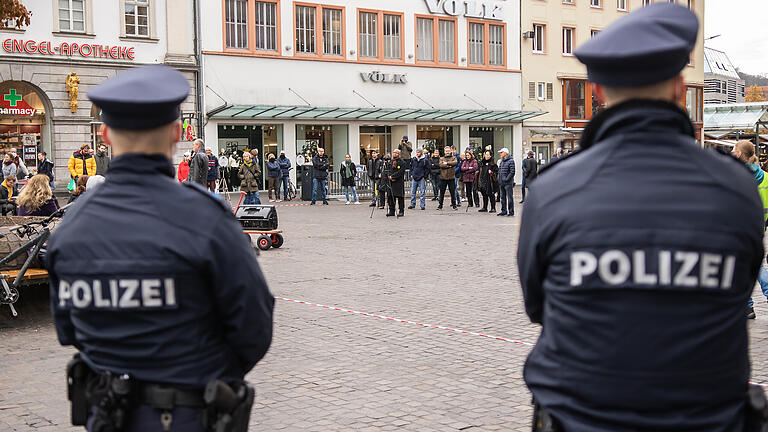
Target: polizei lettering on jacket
[[140, 294], [679, 269]]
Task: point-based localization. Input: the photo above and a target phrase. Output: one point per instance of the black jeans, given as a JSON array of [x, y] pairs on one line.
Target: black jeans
[[436, 185], [471, 200], [451, 184], [489, 198]]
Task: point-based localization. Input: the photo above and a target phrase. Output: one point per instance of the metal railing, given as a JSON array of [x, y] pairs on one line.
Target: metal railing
[[364, 185]]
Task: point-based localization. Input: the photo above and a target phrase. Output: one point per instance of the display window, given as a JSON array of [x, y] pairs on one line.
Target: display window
[[377, 138], [436, 137]]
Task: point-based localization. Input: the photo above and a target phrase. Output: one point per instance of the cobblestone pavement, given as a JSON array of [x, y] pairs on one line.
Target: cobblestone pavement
[[331, 370]]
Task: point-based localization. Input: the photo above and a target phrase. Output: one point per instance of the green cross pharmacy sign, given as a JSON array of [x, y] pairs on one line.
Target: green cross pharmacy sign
[[13, 103]]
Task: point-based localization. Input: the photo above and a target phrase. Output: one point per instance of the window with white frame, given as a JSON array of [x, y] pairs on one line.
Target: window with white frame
[[568, 40], [570, 2], [447, 39], [236, 22], [305, 30], [369, 45], [538, 38], [595, 3], [476, 44], [495, 45], [541, 91], [72, 15], [137, 18], [621, 5], [266, 26], [392, 37], [425, 39], [332, 32]]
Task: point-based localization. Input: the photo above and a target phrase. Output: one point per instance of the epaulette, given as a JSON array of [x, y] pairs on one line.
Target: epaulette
[[197, 188], [547, 167]]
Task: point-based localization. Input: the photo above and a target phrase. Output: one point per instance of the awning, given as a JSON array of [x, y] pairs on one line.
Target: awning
[[735, 116], [727, 143], [272, 112]]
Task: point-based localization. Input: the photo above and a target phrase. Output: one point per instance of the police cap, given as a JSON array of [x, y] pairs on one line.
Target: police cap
[[646, 47], [141, 98]]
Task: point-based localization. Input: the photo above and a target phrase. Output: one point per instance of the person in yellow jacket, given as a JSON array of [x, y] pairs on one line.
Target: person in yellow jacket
[[82, 162], [9, 189], [745, 152]]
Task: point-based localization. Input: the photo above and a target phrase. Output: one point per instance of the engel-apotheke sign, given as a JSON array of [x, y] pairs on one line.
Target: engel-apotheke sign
[[467, 8], [22, 46]]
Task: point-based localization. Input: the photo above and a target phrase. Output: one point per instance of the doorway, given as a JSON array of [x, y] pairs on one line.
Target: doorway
[[542, 152]]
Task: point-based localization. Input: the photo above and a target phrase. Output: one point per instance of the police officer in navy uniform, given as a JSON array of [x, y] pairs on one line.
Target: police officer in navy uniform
[[638, 252], [148, 298]]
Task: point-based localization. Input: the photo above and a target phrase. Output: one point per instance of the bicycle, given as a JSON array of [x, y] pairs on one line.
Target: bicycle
[[290, 193], [38, 233]]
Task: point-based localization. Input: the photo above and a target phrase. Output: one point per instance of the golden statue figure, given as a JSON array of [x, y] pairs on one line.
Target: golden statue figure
[[73, 84]]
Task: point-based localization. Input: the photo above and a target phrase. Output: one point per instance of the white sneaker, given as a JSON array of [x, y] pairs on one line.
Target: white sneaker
[[278, 200], [271, 200], [357, 202], [347, 203]]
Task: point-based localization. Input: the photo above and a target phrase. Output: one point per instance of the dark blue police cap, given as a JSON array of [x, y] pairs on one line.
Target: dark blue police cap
[[141, 98], [646, 47]]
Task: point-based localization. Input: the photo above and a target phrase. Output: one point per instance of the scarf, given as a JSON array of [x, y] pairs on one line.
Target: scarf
[[348, 169]]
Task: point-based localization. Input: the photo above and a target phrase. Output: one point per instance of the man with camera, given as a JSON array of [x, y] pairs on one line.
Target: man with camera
[[405, 148]]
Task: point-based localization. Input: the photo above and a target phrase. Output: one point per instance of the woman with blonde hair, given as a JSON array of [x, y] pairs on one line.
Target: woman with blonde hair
[[36, 199], [745, 151]]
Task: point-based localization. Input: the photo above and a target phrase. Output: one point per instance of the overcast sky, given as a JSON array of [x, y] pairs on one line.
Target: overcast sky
[[744, 32]]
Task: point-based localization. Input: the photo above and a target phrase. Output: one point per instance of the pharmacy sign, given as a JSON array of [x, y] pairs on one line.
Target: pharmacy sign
[[13, 103]]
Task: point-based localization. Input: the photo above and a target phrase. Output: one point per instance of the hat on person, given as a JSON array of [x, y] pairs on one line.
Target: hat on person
[[405, 137], [282, 151], [648, 46], [94, 182], [141, 98], [504, 150]]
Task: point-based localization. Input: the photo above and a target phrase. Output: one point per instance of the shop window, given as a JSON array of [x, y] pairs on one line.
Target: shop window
[[377, 138], [435, 40], [22, 120], [72, 15], [137, 18], [368, 32], [489, 138], [568, 40], [538, 38], [575, 103], [236, 22], [432, 138], [332, 138], [266, 26]]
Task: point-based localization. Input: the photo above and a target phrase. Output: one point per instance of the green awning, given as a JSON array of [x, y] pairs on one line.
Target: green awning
[[272, 112]]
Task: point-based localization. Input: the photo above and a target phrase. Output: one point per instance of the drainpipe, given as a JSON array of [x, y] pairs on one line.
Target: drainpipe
[[199, 73]]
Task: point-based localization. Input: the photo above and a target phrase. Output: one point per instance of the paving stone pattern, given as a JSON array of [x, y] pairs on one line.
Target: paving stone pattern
[[331, 370]]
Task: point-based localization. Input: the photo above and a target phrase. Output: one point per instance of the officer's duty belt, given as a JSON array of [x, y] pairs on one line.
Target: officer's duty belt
[[167, 398]]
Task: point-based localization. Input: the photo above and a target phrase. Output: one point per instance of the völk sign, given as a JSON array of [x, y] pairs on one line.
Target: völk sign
[[467, 8], [384, 78]]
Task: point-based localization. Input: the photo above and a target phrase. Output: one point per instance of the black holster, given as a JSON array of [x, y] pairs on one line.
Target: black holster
[[228, 406], [757, 409], [78, 376]]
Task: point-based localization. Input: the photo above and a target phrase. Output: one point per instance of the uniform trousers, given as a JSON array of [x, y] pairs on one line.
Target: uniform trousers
[[451, 185], [144, 418], [400, 203]]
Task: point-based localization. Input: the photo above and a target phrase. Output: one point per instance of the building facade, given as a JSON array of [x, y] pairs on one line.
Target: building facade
[[556, 82], [354, 76], [724, 85], [47, 68]]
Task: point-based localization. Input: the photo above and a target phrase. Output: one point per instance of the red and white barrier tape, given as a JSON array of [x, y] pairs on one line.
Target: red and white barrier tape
[[454, 330]]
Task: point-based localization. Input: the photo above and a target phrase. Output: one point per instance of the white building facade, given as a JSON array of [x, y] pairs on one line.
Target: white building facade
[[354, 76], [47, 68], [724, 85]]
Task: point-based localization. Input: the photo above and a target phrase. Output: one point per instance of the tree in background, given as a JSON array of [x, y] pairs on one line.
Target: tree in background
[[13, 14], [755, 94]]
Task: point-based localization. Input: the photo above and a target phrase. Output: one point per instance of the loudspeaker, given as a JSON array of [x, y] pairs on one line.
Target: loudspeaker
[[257, 217]]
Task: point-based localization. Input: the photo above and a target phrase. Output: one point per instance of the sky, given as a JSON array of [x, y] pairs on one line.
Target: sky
[[743, 26]]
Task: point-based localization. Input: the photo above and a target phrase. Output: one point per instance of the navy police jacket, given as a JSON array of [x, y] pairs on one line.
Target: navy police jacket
[[637, 256], [156, 279]]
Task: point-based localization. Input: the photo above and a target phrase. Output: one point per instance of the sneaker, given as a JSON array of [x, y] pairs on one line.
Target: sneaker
[[522, 201], [279, 200], [435, 199], [493, 211], [482, 211], [423, 208], [271, 200], [439, 207], [411, 207], [511, 214], [347, 203], [381, 207], [751, 313], [455, 207], [372, 205], [390, 214], [501, 214], [312, 203], [325, 202], [470, 206], [357, 202]]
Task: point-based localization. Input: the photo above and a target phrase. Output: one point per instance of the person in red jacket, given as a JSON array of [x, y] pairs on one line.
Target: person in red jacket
[[183, 171]]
